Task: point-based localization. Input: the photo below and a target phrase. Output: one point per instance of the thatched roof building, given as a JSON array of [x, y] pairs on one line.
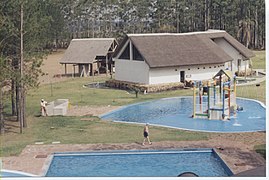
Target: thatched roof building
[[170, 49], [90, 54], [176, 57]]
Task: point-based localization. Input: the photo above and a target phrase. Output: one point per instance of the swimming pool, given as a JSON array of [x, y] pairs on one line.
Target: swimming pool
[[176, 113], [146, 163]]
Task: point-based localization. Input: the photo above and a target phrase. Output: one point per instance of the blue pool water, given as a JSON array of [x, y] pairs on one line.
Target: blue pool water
[[164, 163], [176, 113]]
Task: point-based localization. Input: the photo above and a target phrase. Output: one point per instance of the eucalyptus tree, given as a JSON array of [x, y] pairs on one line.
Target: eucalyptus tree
[[24, 34]]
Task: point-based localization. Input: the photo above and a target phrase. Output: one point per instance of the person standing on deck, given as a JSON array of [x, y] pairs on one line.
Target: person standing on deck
[[146, 134]]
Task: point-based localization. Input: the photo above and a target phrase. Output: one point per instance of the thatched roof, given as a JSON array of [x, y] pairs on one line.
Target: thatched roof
[[197, 48], [84, 51]]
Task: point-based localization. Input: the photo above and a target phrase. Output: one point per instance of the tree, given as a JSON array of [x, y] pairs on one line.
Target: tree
[[23, 36]]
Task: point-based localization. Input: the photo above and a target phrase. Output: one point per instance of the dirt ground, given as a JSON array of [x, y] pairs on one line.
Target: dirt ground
[[90, 110], [235, 148], [54, 71]]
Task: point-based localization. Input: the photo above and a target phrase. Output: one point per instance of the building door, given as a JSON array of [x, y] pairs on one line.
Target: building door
[[182, 76]]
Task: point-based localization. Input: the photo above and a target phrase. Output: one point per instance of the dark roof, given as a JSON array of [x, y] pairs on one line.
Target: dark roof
[[84, 51], [236, 44], [164, 50]]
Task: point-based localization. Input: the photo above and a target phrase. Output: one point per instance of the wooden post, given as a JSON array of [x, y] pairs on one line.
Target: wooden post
[[98, 67], [106, 65], [245, 70], [194, 100], [65, 70], [74, 70]]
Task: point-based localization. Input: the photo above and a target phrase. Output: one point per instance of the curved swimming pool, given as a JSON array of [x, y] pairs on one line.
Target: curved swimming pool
[[176, 113]]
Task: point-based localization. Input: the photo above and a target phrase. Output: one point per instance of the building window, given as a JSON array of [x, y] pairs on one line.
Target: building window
[[198, 68], [126, 53], [136, 55], [209, 67], [189, 69], [203, 67], [215, 66]]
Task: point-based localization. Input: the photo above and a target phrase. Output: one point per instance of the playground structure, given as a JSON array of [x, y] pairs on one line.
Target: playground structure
[[220, 102]]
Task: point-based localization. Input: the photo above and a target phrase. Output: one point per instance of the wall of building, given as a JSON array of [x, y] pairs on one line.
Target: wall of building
[[172, 74], [202, 72], [139, 72], [163, 75], [230, 50], [131, 71]]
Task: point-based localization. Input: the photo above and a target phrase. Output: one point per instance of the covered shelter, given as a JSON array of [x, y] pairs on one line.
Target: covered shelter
[[91, 55]]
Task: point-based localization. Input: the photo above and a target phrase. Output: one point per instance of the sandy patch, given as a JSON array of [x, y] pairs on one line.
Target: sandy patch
[[90, 110], [54, 71]]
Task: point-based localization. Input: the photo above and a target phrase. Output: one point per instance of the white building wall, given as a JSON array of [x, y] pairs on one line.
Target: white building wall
[[202, 72], [172, 74], [131, 71], [163, 75], [231, 51]]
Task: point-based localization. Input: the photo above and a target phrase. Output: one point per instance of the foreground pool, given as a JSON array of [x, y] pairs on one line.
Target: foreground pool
[[162, 163], [176, 113]]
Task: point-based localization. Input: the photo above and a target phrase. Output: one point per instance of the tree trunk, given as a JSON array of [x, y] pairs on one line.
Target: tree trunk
[[206, 15], [24, 109], [256, 29], [2, 125], [21, 92], [13, 98], [17, 101], [19, 109]]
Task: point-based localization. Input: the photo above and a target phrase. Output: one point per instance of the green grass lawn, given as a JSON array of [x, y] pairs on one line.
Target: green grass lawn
[[72, 130], [259, 61], [253, 92], [78, 95]]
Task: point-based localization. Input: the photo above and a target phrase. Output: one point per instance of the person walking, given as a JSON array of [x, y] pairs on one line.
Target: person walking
[[146, 134]]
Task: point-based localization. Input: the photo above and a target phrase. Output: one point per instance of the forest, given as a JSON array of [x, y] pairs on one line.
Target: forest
[[29, 29], [243, 19]]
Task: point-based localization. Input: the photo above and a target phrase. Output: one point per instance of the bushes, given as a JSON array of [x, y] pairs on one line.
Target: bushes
[[143, 87]]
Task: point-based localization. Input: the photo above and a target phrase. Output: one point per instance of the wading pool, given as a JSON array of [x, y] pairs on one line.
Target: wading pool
[[177, 112]]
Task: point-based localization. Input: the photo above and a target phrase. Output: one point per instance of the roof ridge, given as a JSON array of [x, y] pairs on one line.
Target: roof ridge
[[95, 39], [179, 34]]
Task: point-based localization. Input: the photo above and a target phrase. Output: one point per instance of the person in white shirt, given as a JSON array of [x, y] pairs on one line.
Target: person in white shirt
[[43, 104]]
